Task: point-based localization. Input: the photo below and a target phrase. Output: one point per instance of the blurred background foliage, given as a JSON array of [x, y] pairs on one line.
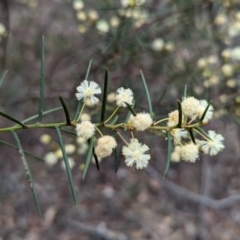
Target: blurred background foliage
[[175, 43]]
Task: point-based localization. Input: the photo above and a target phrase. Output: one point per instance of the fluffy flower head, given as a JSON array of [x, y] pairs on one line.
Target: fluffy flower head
[[50, 158], [173, 118], [124, 95], [105, 146], [175, 156], [135, 154], [85, 129], [212, 147], [141, 121], [190, 106], [189, 152], [86, 91]]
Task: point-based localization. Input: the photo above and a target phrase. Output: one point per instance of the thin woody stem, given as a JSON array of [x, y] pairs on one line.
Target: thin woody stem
[[114, 112]]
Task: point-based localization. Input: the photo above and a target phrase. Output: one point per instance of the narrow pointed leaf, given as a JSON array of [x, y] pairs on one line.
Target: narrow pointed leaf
[[12, 119], [89, 157], [192, 136], [205, 111], [2, 78], [42, 80], [180, 115], [147, 94], [68, 132], [104, 103], [44, 113], [169, 152], [94, 155], [26, 152], [68, 169], [88, 70], [65, 108], [114, 120], [96, 160], [202, 132], [79, 105], [129, 113], [29, 174], [185, 91], [131, 109]]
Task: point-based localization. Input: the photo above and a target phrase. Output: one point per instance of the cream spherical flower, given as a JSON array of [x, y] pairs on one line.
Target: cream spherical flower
[[189, 152], [93, 15], [212, 147], [175, 156], [173, 118], [135, 154], [85, 117], [45, 139], [2, 29], [102, 26], [111, 97], [158, 44], [201, 109], [124, 96], [77, 5], [141, 121], [86, 91], [227, 70], [190, 106], [50, 158], [85, 129], [105, 146], [70, 148]]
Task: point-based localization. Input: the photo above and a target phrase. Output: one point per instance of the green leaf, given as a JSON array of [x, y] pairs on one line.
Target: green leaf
[[205, 111], [104, 96], [131, 109], [179, 125], [185, 91], [42, 79], [88, 70], [65, 108], [12, 119], [26, 152], [96, 159], [68, 169], [114, 120], [2, 78], [129, 113], [147, 93], [191, 135], [89, 157], [68, 132], [79, 106], [28, 171], [202, 132], [169, 138], [44, 113]]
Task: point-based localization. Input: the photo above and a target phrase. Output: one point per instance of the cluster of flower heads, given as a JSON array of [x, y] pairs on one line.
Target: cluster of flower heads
[[90, 17], [185, 147], [195, 113], [134, 151]]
